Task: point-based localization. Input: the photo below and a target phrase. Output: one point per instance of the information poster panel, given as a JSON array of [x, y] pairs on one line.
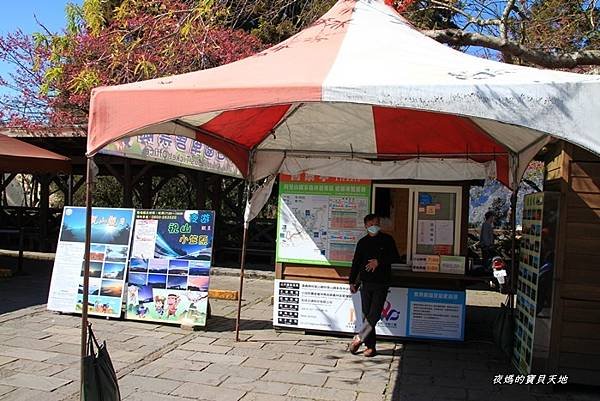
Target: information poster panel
[[317, 306], [170, 266], [320, 219], [406, 312], [111, 236], [436, 314]]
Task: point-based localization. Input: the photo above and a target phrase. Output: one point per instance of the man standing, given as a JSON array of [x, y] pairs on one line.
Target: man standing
[[486, 239], [371, 272]]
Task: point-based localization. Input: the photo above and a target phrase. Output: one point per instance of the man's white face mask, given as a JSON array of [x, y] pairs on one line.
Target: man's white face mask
[[373, 229]]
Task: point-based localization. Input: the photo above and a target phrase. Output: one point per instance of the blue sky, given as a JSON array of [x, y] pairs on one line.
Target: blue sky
[[22, 13]]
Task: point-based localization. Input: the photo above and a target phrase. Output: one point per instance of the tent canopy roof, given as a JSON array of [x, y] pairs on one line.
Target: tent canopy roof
[[21, 157], [360, 82]]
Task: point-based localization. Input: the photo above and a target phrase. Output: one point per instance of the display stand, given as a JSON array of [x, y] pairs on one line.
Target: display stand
[[425, 219]]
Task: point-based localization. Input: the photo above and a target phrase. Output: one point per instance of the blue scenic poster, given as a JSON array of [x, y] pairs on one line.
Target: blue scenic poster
[[169, 268], [109, 252]]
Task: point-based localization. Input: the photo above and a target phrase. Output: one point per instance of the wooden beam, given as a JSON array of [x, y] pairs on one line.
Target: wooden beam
[[6, 181]]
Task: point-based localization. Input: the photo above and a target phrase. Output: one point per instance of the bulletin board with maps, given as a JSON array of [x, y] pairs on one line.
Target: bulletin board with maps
[[320, 219], [435, 223]]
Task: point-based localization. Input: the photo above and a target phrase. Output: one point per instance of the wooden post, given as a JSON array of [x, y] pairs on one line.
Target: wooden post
[[44, 210], [69, 200], [201, 190], [127, 184], [147, 191]]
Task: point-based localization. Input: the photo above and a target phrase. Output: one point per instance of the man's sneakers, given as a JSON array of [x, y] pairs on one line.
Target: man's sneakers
[[354, 345], [370, 352]]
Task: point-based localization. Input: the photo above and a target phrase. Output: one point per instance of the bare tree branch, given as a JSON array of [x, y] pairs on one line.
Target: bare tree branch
[[458, 37]]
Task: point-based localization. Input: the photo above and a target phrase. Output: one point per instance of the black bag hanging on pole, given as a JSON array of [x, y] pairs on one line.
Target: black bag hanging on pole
[[504, 328], [99, 377]]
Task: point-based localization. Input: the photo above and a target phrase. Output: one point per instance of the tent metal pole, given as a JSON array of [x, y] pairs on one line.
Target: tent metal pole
[[242, 266], [86, 270], [513, 223]]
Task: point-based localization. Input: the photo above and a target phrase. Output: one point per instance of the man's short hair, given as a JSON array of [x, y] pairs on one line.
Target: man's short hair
[[370, 217], [489, 214]]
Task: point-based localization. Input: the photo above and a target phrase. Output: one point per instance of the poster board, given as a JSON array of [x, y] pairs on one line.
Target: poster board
[[436, 220], [407, 312], [109, 251], [169, 268], [320, 219]]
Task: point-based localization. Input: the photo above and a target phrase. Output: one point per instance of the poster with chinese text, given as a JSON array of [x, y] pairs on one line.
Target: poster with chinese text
[[170, 265], [320, 219], [109, 251], [407, 312]]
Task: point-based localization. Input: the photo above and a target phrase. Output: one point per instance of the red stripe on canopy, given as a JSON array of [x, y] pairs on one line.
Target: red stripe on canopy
[[404, 131], [235, 132], [247, 127]]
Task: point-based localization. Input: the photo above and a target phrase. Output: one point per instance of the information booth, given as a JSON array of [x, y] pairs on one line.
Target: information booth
[[321, 219]]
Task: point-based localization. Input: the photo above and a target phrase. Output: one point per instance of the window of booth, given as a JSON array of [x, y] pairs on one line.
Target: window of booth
[[423, 220]]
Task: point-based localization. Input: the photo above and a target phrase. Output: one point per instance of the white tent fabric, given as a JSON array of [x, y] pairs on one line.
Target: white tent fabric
[[361, 85]]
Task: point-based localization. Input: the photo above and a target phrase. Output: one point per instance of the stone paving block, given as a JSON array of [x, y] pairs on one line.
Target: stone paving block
[[228, 342], [257, 386], [63, 359], [209, 393], [6, 389], [327, 344], [217, 358], [324, 360], [264, 397], [208, 340], [64, 348], [194, 376], [236, 371], [70, 390], [27, 394], [294, 349], [178, 354], [360, 362], [215, 349], [150, 370], [179, 364], [356, 385], [415, 379], [295, 378], [335, 372], [321, 393], [35, 382], [72, 373], [39, 368], [273, 365], [124, 356], [151, 384], [24, 353], [256, 353], [145, 333], [6, 359], [63, 330], [370, 397], [59, 338], [4, 338], [148, 396]]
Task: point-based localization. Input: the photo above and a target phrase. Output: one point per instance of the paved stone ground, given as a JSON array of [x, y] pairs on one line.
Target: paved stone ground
[[39, 359]]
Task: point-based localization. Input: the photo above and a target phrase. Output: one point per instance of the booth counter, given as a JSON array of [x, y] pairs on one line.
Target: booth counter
[[319, 222]]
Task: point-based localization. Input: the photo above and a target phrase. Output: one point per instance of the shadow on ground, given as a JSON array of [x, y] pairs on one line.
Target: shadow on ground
[[26, 290]]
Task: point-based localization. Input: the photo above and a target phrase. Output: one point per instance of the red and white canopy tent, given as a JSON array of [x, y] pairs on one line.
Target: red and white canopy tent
[[359, 94]]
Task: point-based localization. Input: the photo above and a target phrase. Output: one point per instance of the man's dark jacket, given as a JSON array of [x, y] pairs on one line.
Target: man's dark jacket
[[381, 247]]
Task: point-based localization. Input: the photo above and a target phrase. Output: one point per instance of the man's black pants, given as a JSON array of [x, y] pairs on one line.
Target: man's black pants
[[373, 298]]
